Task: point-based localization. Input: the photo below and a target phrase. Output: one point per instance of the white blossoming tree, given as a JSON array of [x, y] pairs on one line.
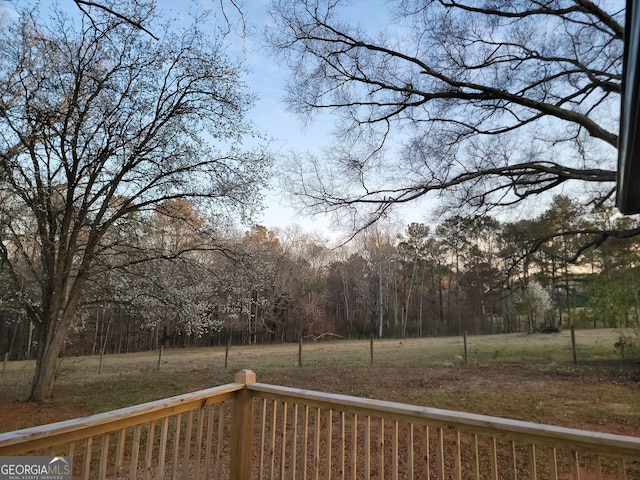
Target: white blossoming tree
[[536, 303]]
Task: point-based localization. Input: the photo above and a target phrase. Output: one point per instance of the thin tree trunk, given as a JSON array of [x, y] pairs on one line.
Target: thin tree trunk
[[95, 333], [441, 306], [566, 286], [420, 305], [345, 293], [29, 339], [449, 303], [458, 306], [380, 307], [407, 301], [13, 336]]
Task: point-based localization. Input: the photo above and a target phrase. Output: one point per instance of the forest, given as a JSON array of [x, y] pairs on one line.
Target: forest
[[474, 275]]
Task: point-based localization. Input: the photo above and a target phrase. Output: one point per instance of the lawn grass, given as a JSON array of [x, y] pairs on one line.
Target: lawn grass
[[529, 377], [138, 372]]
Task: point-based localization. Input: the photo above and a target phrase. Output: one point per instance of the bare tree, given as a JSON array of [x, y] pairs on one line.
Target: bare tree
[[495, 102], [99, 121]]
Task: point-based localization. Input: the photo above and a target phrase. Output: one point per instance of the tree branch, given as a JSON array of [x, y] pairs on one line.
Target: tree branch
[[99, 5]]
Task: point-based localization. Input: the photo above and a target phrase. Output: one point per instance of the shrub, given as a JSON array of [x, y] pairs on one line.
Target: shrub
[[628, 346]]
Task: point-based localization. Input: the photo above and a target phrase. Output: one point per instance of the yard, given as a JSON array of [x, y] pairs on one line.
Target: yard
[[519, 376]]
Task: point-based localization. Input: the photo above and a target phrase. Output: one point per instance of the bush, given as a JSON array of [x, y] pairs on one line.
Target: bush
[[628, 346]]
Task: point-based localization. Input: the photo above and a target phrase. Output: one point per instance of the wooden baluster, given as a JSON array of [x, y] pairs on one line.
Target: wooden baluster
[[294, 443], [367, 449], [493, 452], [284, 441], [440, 452], [427, 452], [343, 446], [86, 465], [149, 452], [220, 443], [457, 457], [329, 442], [70, 448], [197, 450], [476, 457], [104, 457], [316, 447], [410, 447], [354, 448], [176, 447], [262, 438], [622, 471], [532, 463], [272, 447], [186, 458], [209, 443], [597, 466], [394, 460], [575, 465], [554, 464], [305, 449], [162, 452], [514, 460], [135, 450], [120, 451], [381, 444]]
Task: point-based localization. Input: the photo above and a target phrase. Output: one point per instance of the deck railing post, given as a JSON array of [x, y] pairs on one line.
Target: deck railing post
[[242, 428]]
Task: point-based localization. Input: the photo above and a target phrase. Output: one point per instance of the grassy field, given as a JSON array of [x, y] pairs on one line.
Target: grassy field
[[531, 377], [592, 345]]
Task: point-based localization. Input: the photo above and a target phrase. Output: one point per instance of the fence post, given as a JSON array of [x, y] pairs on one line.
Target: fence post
[[573, 344], [242, 428], [371, 351], [100, 364], [465, 346]]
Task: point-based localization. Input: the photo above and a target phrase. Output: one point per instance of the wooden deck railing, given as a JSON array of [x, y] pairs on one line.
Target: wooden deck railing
[[253, 430], [183, 437]]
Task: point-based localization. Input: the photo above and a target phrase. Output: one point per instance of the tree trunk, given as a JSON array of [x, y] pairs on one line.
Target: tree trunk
[[380, 308], [407, 301], [440, 304], [421, 304], [450, 281], [566, 286], [95, 333], [13, 337], [458, 292], [29, 339], [345, 291], [42, 387]]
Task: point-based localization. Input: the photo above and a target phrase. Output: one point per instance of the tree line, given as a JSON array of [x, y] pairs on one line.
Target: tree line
[[466, 274]]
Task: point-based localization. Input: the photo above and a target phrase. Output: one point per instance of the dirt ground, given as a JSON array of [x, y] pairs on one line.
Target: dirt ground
[[602, 396]]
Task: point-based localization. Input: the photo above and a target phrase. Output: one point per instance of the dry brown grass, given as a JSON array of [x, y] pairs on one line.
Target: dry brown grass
[[528, 377]]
